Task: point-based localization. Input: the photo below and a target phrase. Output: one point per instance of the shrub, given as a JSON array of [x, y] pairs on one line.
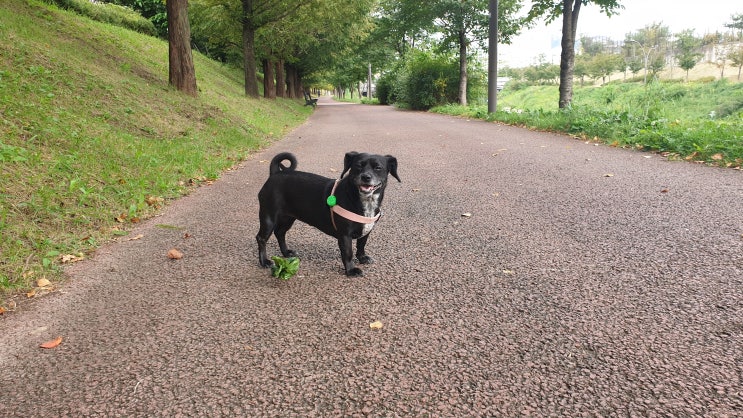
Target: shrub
[[109, 13], [385, 86], [427, 80]]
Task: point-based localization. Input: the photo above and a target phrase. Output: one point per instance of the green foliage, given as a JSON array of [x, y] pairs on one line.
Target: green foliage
[[284, 268], [426, 80], [12, 154], [153, 10], [109, 13], [687, 49], [552, 9], [385, 86]]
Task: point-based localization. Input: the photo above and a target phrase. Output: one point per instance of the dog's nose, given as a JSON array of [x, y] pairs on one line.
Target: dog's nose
[[366, 177]]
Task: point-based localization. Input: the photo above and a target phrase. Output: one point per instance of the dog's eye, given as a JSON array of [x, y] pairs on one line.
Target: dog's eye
[[377, 168]]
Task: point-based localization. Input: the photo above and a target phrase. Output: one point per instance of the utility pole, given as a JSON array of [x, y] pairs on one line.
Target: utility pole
[[493, 56], [368, 85]]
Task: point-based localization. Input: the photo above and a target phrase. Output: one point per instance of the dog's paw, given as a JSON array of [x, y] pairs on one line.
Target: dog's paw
[[365, 259], [354, 272], [266, 263], [290, 253]]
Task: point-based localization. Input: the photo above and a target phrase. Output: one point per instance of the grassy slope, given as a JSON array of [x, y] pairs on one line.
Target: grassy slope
[[701, 121], [91, 134], [687, 101]]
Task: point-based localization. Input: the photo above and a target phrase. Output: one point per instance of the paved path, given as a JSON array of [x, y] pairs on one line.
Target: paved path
[[588, 281]]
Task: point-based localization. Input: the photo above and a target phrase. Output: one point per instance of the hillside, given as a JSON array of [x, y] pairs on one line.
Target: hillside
[[92, 138]]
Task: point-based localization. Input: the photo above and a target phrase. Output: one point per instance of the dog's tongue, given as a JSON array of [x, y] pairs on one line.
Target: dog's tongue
[[366, 189]]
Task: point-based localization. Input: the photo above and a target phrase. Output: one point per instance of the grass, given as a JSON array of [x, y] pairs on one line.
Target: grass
[[700, 121], [92, 138]]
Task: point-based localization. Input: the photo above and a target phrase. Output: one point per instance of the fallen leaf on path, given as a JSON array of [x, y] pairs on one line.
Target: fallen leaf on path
[[376, 325], [466, 215], [174, 254], [53, 343], [134, 238], [154, 200], [31, 293], [717, 157], [43, 282], [2, 310], [70, 258]]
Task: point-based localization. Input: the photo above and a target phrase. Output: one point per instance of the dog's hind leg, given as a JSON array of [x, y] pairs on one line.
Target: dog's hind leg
[[282, 226], [264, 233]]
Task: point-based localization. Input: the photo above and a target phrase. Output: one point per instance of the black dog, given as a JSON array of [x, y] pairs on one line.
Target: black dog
[[346, 209]]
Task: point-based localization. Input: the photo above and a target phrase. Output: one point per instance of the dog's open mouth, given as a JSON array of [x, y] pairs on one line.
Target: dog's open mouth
[[369, 188]]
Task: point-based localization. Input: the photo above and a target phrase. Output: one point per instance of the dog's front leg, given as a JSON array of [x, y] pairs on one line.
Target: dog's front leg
[[361, 252], [345, 243]]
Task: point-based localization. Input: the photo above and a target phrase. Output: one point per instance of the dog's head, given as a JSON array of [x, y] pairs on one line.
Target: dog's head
[[369, 171]]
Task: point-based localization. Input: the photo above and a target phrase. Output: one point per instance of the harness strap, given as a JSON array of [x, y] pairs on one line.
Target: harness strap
[[345, 213]]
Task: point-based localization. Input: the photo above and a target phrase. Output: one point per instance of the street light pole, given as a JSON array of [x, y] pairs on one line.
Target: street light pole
[[646, 56], [493, 57]]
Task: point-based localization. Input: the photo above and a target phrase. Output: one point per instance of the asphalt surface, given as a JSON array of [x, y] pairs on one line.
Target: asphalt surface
[[517, 273]]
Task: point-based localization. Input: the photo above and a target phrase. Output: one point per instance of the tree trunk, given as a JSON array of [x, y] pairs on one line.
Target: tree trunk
[[291, 82], [567, 56], [280, 79], [462, 69], [269, 88], [248, 39], [181, 73]]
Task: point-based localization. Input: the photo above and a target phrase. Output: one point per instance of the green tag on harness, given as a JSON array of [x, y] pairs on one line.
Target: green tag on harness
[[331, 200]]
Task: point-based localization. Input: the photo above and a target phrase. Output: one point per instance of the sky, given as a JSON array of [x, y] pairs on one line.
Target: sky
[[702, 16]]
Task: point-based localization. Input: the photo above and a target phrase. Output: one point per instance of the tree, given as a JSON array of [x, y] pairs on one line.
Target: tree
[[602, 65], [736, 24], [336, 53], [153, 10], [464, 22], [736, 58], [181, 74], [581, 67], [721, 58], [687, 50], [402, 25], [653, 41], [461, 23], [569, 10]]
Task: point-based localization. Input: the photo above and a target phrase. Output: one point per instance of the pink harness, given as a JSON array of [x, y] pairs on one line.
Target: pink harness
[[353, 217]]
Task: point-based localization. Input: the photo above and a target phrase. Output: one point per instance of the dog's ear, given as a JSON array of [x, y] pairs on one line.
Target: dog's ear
[[392, 167], [348, 161]]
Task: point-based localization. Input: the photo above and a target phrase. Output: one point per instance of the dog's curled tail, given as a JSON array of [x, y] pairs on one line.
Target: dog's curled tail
[[276, 165]]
